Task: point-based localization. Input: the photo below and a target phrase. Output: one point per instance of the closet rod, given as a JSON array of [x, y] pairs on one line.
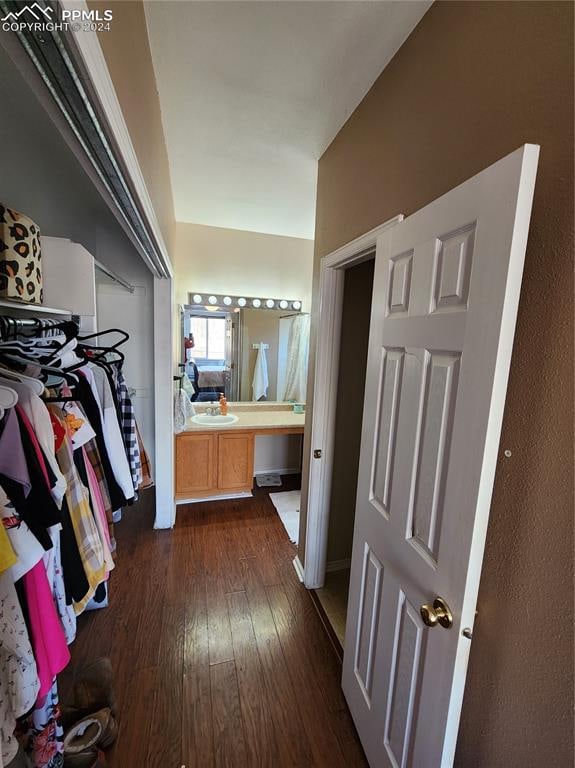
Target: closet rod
[[128, 286]]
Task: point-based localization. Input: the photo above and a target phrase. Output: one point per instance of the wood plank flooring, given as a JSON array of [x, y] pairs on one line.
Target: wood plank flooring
[[220, 659]]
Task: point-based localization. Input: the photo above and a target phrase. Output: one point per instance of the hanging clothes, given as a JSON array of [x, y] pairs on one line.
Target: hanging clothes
[[38, 416], [8, 557], [111, 428], [70, 457], [19, 681], [87, 400], [128, 425], [87, 538]]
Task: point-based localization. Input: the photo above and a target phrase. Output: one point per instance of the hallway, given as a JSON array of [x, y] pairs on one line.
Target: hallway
[[219, 656]]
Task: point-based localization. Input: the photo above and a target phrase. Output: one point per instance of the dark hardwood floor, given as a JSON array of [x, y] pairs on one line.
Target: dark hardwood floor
[[219, 656]]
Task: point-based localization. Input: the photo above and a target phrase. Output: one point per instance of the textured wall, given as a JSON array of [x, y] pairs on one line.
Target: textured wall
[[473, 82]]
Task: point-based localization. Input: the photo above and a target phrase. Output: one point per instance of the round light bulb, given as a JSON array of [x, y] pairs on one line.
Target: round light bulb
[[227, 301], [197, 298], [270, 303], [296, 305], [241, 302], [283, 304], [256, 303], [212, 300]]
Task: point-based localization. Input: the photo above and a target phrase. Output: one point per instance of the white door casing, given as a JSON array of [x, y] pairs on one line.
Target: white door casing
[[316, 500], [446, 292]]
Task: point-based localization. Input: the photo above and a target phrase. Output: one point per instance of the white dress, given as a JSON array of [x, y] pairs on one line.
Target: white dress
[[19, 683]]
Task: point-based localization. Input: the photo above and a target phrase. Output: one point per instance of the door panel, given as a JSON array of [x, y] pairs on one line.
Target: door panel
[[235, 460], [195, 463], [446, 290], [367, 625], [404, 679]]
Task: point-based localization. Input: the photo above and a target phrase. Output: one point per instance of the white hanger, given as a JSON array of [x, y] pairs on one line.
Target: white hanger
[[35, 384], [8, 397]]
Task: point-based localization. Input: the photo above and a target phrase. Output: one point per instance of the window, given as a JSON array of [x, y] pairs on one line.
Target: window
[[209, 337]]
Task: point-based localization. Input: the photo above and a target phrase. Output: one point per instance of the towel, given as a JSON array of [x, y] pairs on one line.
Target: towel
[[261, 382]]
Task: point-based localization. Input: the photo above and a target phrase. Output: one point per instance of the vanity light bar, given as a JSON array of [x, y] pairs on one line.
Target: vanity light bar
[[215, 301]]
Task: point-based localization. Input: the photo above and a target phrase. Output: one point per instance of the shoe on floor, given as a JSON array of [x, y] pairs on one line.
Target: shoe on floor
[[90, 758], [96, 730], [93, 688]]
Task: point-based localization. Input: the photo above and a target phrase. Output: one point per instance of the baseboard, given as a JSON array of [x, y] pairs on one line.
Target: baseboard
[[282, 471], [220, 497], [298, 568], [338, 565]]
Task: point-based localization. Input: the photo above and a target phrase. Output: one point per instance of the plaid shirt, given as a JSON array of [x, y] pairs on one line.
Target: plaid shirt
[[93, 456], [85, 530], [128, 426]]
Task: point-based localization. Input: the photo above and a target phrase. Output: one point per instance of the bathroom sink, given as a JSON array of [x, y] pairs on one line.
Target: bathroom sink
[[207, 420]]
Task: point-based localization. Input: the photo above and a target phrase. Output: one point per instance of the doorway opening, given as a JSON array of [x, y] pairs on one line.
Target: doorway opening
[[353, 346], [317, 495]]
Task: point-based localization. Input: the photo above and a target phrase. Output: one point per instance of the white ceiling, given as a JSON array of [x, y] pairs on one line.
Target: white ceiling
[[252, 93]]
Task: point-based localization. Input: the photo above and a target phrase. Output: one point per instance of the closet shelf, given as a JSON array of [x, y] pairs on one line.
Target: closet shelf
[[12, 304]]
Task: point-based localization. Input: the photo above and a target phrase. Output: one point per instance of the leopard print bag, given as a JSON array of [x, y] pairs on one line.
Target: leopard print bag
[[20, 257]]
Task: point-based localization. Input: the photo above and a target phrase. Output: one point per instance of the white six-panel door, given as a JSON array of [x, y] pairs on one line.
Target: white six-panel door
[[446, 291]]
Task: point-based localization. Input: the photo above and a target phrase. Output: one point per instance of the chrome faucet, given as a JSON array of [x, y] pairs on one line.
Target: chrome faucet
[[213, 410]]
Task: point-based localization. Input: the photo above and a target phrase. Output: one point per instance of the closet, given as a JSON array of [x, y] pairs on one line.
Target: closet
[[76, 412], [71, 458]]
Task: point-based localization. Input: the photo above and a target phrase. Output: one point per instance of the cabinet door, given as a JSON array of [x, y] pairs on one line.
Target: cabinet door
[[235, 460], [195, 463]]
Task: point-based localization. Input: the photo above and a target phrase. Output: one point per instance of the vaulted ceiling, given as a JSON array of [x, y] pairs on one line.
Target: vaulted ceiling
[[252, 93]]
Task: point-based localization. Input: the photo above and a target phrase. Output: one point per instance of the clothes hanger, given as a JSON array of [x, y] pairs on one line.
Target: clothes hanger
[[8, 397], [35, 385], [126, 336], [58, 372]]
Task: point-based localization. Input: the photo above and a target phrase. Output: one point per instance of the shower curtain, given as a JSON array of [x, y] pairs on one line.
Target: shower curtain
[[297, 355]]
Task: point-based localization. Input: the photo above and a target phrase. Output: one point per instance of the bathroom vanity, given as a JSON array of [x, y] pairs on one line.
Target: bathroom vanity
[[215, 459]]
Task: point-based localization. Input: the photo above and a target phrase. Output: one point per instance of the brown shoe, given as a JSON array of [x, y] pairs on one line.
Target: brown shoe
[[97, 730], [90, 758], [93, 688]]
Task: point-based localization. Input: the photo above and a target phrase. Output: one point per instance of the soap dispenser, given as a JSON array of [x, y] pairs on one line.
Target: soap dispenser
[[223, 405]]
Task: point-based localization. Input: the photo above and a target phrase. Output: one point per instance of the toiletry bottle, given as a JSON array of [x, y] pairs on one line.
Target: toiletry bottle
[[223, 405]]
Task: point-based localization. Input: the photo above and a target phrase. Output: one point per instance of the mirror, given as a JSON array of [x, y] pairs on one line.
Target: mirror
[[244, 349]]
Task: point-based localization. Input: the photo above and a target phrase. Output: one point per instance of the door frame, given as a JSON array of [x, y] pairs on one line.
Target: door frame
[[331, 284]]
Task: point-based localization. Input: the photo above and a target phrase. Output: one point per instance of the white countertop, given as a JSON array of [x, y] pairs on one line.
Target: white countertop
[[258, 416]]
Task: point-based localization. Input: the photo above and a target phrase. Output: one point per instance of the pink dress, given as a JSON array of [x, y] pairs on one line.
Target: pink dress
[[46, 633]]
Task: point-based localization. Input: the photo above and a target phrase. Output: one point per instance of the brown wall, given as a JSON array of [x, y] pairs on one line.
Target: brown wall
[[127, 52], [357, 290], [473, 82]]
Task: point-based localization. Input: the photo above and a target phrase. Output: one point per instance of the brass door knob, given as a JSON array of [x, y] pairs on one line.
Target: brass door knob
[[438, 613]]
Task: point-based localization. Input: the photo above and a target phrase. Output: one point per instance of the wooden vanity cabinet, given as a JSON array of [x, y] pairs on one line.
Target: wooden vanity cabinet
[[209, 463], [235, 460], [196, 468]]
